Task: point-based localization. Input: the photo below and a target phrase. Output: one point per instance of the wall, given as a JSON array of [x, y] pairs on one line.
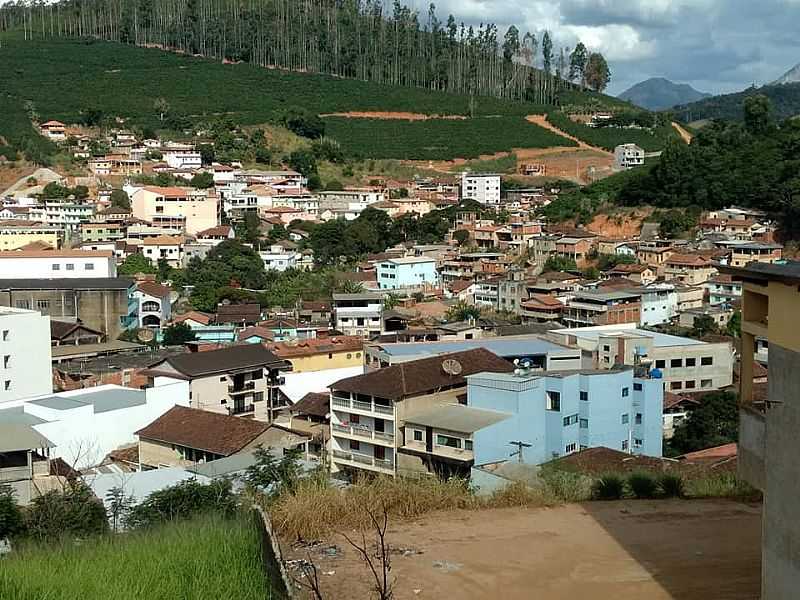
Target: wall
[[47, 267], [25, 340], [332, 360], [12, 238]]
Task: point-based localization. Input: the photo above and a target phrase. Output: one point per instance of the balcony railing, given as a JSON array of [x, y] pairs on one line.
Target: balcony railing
[[243, 410], [363, 459], [247, 386], [363, 432], [373, 407]]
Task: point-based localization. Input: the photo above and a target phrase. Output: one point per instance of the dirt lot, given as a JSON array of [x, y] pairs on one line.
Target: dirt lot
[[654, 550]]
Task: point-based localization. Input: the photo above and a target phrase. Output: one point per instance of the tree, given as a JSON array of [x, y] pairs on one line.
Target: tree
[[72, 512], [757, 114], [390, 300], [577, 62], [734, 326], [547, 52], [304, 124], [704, 325], [120, 199], [11, 521], [560, 263], [675, 222], [163, 269], [119, 505], [378, 559], [715, 421], [178, 334], [207, 154], [161, 106], [249, 229], [348, 286], [334, 185], [81, 192], [303, 162], [510, 44], [461, 236], [202, 181], [597, 74], [461, 311], [183, 501], [135, 263], [271, 474]]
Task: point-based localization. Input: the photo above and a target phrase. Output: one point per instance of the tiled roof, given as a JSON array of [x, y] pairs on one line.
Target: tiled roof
[[203, 430], [311, 347], [219, 230], [164, 240], [194, 316], [238, 312], [153, 289], [691, 260], [232, 358], [313, 403]]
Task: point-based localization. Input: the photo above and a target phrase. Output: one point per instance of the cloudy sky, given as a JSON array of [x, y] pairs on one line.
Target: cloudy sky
[[715, 45]]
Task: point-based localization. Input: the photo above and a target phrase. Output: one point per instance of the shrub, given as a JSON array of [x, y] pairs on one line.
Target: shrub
[[642, 484], [672, 485], [608, 487], [182, 501], [722, 485], [566, 486], [11, 522], [73, 512]]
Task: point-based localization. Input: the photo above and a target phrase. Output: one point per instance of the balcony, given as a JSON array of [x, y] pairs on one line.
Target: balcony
[[247, 386], [364, 460], [359, 405], [365, 433], [242, 410]]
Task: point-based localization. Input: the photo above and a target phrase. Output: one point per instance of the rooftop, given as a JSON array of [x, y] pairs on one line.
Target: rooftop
[[56, 254], [102, 398], [660, 340], [233, 358], [410, 260], [457, 417], [78, 283], [508, 346], [787, 272], [16, 436]]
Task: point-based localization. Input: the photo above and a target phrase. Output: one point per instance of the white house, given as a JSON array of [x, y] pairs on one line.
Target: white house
[[54, 130], [155, 306], [66, 215], [278, 258], [25, 361], [407, 272], [167, 247], [215, 235], [183, 159], [659, 304], [481, 187], [628, 156], [61, 264]]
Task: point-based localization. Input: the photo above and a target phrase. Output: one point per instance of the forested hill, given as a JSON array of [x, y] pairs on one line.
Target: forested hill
[[785, 100], [357, 39]]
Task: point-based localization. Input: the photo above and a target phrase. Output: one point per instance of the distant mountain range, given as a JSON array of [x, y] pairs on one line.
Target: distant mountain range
[[658, 93], [791, 76]]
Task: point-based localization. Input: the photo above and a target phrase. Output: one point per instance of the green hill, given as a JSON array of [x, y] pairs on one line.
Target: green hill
[[785, 99]]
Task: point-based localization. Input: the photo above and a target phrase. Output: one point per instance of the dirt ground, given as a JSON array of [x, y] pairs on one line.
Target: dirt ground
[[654, 550]]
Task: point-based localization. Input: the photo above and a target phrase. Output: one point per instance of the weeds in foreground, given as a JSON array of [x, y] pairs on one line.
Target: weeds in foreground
[[642, 485], [672, 485], [608, 487]]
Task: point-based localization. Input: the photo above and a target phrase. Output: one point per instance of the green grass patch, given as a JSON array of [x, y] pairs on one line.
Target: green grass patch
[[438, 139], [204, 558], [611, 137], [504, 164]]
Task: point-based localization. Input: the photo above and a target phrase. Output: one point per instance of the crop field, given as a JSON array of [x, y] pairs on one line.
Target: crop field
[[438, 139], [610, 137]]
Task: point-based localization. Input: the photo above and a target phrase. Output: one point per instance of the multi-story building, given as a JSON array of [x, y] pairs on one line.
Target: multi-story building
[[628, 156], [183, 159], [164, 247], [743, 254], [279, 258], [320, 354], [722, 289], [541, 308], [576, 247], [641, 274], [17, 233], [603, 308], [198, 209], [358, 314], [659, 304], [511, 290], [768, 440], [54, 130], [352, 200], [121, 165], [406, 273], [65, 264], [64, 215], [24, 459], [369, 412], [237, 380], [102, 304], [24, 354], [102, 232], [690, 269], [155, 307], [481, 187], [683, 364]]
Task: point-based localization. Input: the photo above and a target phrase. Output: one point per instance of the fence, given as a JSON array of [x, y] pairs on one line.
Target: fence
[[280, 584]]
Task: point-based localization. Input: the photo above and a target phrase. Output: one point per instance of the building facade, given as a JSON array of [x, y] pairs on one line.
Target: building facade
[[481, 187], [25, 361], [358, 314], [408, 272], [64, 264]]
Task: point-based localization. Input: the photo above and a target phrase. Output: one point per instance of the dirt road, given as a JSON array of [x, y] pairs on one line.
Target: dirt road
[[541, 121], [685, 135], [629, 550]]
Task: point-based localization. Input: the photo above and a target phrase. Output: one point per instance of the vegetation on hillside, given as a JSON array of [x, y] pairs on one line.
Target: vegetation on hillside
[[785, 100], [651, 139]]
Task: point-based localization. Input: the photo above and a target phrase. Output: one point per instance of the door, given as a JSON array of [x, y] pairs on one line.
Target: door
[[429, 439]]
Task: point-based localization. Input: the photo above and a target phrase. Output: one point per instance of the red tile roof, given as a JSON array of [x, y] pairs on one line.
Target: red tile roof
[[715, 453], [219, 230], [690, 260], [153, 289]]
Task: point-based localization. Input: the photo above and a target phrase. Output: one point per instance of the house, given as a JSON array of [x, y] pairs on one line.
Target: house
[[358, 314], [182, 437], [188, 159], [541, 308], [215, 235], [25, 352], [641, 274], [65, 264], [311, 414], [55, 131], [407, 273], [720, 314], [335, 352], [682, 364], [722, 289], [102, 304], [115, 164], [369, 412], [768, 440], [194, 210], [25, 466], [603, 308], [102, 231], [164, 247], [659, 304], [690, 269], [481, 187], [628, 156], [73, 334], [16, 233], [64, 215], [238, 314], [744, 254], [237, 380], [653, 254], [155, 306], [576, 246], [676, 410], [206, 330], [279, 258], [255, 335]]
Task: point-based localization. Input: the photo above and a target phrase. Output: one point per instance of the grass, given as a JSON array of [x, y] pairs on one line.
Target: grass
[[204, 558], [611, 137], [439, 139], [503, 164]]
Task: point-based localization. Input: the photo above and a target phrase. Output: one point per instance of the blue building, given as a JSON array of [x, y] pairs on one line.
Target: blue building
[[409, 272], [560, 413]]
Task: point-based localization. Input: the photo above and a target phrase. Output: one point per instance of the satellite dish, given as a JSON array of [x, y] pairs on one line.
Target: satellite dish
[[145, 335], [452, 367]]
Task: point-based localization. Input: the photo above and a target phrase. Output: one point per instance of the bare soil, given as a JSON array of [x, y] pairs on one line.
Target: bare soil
[[626, 550], [400, 116], [619, 226], [685, 135]]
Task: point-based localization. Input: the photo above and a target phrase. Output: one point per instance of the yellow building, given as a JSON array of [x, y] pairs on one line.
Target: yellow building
[[320, 354], [16, 233]]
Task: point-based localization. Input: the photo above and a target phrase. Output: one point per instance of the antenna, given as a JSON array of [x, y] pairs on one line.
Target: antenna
[[520, 445], [452, 367]]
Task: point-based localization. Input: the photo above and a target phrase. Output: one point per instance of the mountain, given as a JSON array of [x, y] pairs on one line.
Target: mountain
[[791, 76], [658, 93], [785, 99]]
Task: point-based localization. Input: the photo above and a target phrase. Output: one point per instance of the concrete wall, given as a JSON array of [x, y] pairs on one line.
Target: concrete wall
[[47, 267], [25, 362]]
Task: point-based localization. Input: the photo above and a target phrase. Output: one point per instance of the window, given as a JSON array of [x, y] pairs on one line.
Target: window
[[468, 445], [447, 440], [358, 354], [570, 420], [355, 419], [606, 348], [661, 364], [676, 362], [354, 445], [7, 385], [638, 419], [624, 445], [676, 385], [330, 354], [553, 400], [637, 387], [690, 385], [625, 418], [706, 383], [638, 442], [584, 396], [5, 335], [417, 435], [70, 267], [625, 392], [222, 378], [6, 361], [24, 304], [258, 396], [89, 267], [707, 361], [691, 362], [56, 267], [570, 447], [42, 304], [584, 424]]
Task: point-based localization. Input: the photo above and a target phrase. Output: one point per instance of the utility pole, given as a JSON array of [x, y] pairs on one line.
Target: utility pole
[[520, 445]]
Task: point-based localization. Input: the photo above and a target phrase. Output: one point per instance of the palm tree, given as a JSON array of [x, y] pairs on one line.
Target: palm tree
[[348, 286], [461, 311]]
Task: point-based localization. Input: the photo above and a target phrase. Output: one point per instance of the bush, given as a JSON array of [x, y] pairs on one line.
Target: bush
[[671, 485], [608, 487], [642, 485], [566, 486], [11, 522], [182, 501], [73, 512]]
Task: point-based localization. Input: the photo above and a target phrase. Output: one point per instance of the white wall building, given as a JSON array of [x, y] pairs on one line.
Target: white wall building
[[25, 361], [85, 425], [659, 304], [183, 159], [278, 258], [61, 264], [628, 156], [65, 215], [481, 187]]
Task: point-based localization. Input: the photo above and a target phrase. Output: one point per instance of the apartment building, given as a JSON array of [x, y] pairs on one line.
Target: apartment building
[[603, 308], [369, 412], [64, 215], [628, 156], [481, 187], [155, 307], [197, 210], [17, 233], [358, 314], [689, 269], [744, 254], [237, 380], [407, 273], [659, 304], [722, 289], [24, 354], [184, 159], [352, 200], [65, 264], [280, 258], [768, 440], [683, 364], [164, 247], [319, 354], [102, 232]]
